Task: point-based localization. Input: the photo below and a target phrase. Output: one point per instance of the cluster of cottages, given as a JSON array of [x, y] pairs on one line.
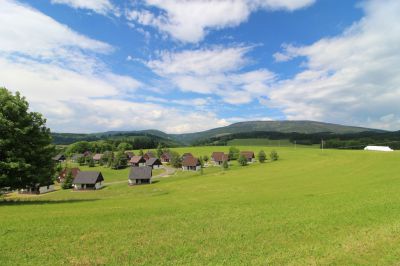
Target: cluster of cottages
[[141, 171]]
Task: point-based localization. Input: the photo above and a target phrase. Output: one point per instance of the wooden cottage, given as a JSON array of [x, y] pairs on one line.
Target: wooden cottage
[[154, 163], [149, 155], [140, 175], [63, 174], [249, 156], [59, 158], [97, 157], [137, 161], [88, 180], [166, 157], [219, 158], [191, 163]]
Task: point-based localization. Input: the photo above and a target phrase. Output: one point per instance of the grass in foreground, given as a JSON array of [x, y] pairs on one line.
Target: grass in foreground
[[311, 207]]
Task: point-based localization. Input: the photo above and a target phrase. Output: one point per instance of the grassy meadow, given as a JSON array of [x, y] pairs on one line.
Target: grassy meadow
[[310, 207]]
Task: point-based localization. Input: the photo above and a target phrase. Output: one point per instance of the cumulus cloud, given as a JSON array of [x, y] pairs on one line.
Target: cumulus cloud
[[102, 7], [189, 20], [59, 72], [352, 78], [217, 71]]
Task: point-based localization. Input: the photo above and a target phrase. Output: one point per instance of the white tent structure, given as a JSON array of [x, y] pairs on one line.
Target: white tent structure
[[377, 148]]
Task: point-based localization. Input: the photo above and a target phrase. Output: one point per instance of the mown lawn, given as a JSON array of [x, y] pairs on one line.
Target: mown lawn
[[311, 207]]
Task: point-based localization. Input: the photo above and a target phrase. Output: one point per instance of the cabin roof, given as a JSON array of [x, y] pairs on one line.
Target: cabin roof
[[88, 177], [190, 161], [144, 172]]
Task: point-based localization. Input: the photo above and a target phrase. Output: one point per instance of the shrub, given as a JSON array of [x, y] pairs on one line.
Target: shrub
[[68, 180], [225, 165], [274, 156], [262, 156], [91, 162], [176, 159], [242, 160]]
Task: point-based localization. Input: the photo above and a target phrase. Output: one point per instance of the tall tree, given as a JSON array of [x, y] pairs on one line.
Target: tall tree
[[159, 150], [25, 144], [233, 153]]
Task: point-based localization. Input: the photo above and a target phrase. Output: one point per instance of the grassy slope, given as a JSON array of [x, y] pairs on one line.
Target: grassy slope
[[312, 207], [260, 142]]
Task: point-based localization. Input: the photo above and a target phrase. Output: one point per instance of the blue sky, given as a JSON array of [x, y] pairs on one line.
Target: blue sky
[[185, 66]]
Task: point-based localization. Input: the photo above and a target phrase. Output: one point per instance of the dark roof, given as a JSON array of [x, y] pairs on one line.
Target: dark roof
[[166, 155], [153, 161], [144, 172], [190, 161], [247, 154], [137, 159], [59, 157], [88, 177], [219, 156]]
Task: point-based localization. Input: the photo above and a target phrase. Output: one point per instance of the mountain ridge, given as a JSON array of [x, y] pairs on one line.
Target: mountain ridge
[[282, 126]]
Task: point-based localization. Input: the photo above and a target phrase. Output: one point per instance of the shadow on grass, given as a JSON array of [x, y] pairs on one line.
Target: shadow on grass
[[5, 202], [155, 181]]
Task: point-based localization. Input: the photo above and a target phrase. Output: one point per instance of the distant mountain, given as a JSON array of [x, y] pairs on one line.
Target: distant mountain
[[305, 127]]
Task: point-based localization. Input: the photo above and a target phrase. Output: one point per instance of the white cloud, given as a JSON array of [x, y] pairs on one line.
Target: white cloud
[[352, 78], [105, 114], [217, 71], [59, 72], [102, 7], [189, 20]]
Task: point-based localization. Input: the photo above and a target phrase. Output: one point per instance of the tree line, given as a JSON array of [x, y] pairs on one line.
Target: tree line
[[331, 140]]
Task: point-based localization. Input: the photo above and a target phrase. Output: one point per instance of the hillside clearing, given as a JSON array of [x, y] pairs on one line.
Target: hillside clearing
[[311, 207]]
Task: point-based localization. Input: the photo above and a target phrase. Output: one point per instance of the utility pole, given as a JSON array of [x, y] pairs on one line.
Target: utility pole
[[322, 144], [295, 145]]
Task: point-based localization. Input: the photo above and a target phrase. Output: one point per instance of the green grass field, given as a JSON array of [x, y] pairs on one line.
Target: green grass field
[[311, 207], [260, 142]]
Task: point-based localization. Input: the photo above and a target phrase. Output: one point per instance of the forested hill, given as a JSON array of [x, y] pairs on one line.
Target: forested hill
[[156, 136], [147, 138], [302, 127]]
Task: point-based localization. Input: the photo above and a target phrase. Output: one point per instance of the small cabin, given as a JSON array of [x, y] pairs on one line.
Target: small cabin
[[97, 157], [166, 157], [249, 155], [154, 163], [218, 158], [88, 180], [191, 163], [137, 161], [63, 174], [140, 175]]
